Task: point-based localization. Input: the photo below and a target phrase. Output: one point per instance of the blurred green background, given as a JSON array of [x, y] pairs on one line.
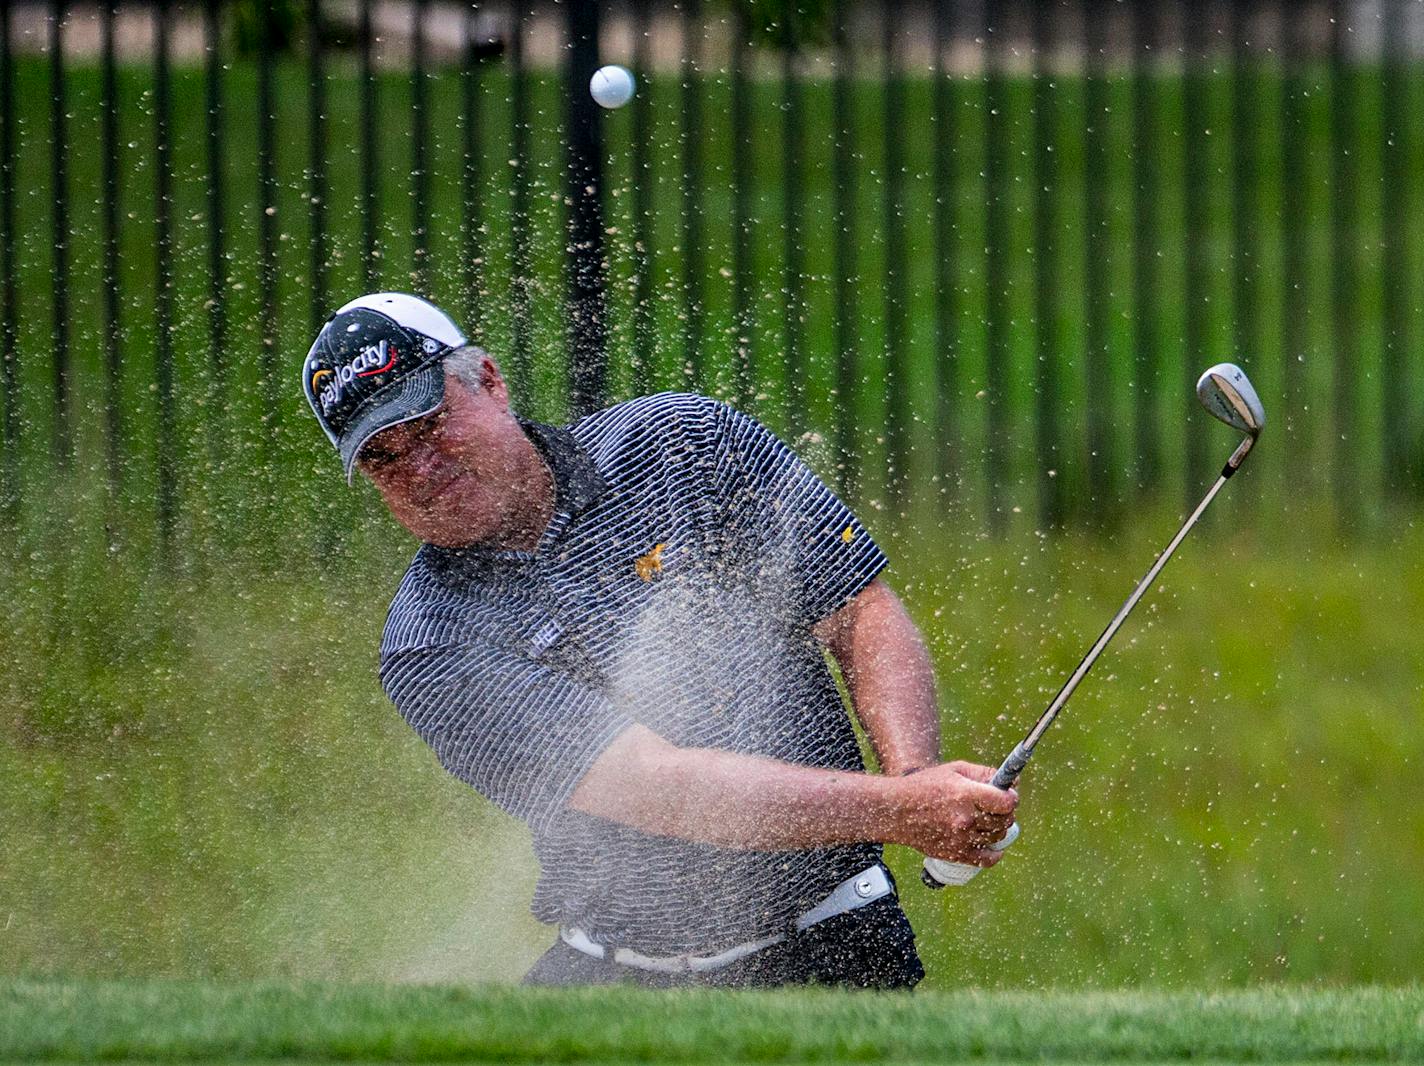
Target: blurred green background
[[201, 776]]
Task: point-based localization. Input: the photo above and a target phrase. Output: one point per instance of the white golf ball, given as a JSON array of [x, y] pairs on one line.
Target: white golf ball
[[612, 86]]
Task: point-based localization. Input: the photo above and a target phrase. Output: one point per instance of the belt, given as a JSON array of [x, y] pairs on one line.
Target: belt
[[854, 892]]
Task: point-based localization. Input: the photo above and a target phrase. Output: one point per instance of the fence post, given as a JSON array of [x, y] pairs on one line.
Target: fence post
[[520, 282], [643, 322], [471, 257], [420, 146], [1245, 202], [997, 219], [267, 215], [163, 294], [316, 135], [948, 446], [9, 385], [63, 440], [1396, 197], [793, 251], [741, 212], [846, 320], [109, 165], [586, 269], [370, 161], [1048, 222], [897, 407], [1102, 458], [217, 249], [1144, 248], [1194, 107], [1345, 215], [1295, 303], [694, 358]]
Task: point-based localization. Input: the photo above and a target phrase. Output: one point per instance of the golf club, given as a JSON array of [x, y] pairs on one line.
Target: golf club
[[1226, 392]]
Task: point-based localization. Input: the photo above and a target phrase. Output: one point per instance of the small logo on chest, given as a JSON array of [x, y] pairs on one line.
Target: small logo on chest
[[646, 566]]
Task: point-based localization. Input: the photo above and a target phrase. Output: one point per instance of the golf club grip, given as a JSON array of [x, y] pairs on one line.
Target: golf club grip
[[941, 873], [1008, 772]]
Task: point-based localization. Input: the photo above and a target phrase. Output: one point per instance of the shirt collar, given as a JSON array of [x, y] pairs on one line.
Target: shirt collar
[[577, 482]]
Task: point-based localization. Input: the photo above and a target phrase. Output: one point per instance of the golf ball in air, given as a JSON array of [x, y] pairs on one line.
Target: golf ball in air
[[612, 86]]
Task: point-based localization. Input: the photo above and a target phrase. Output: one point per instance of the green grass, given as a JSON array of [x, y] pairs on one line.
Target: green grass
[[201, 776], [187, 1022]]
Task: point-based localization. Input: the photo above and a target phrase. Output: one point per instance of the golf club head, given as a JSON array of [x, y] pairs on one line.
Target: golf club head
[[1226, 392]]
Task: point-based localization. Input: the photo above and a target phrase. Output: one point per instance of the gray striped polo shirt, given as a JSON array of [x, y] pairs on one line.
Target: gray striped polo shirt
[[689, 554]]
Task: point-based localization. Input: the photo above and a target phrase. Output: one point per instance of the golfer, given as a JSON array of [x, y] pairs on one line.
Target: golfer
[[616, 630]]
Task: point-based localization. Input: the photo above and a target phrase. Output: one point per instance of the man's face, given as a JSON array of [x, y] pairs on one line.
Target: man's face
[[451, 476]]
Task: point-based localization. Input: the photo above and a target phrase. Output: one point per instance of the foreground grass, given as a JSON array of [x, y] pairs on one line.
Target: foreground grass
[[184, 1021]]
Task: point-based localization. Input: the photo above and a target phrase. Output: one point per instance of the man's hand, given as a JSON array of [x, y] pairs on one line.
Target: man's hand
[[951, 812]]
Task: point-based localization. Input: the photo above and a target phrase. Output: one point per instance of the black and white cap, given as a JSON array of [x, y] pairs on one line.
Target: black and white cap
[[377, 363]]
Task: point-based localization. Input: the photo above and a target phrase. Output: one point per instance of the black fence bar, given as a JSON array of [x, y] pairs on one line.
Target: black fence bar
[[846, 321], [420, 151], [1245, 138], [1397, 407], [1294, 306], [370, 157], [1245, 199], [63, 436], [793, 250], [471, 246], [897, 416], [643, 319], [741, 211], [521, 281], [109, 236], [997, 373], [1103, 462], [9, 314], [692, 177], [217, 235], [1344, 258], [1145, 183], [946, 303], [167, 436], [316, 138], [1195, 196], [1048, 224], [267, 217], [586, 315]]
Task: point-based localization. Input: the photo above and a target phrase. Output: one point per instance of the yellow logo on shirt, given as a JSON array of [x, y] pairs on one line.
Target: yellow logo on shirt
[[848, 534], [645, 566]]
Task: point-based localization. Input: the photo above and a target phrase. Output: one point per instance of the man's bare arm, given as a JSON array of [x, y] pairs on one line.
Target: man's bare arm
[[745, 801], [887, 669]]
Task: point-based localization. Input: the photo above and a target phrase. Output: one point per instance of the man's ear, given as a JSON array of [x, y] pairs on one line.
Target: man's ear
[[492, 380]]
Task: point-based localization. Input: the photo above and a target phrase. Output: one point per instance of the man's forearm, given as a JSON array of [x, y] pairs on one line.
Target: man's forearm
[[735, 800], [754, 803]]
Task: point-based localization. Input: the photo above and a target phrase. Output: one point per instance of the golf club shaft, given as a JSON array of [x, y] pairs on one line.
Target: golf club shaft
[[1009, 770], [1012, 766]]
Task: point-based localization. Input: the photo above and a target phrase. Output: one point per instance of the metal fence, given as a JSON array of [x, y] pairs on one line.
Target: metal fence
[[965, 255]]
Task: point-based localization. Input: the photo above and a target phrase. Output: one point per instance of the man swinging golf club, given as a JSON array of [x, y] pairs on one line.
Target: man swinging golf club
[[615, 631]]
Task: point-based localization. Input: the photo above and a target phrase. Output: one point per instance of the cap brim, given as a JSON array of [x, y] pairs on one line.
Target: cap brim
[[416, 395]]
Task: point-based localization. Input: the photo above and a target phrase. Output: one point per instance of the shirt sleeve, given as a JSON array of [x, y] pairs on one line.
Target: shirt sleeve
[[797, 535], [518, 731]]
